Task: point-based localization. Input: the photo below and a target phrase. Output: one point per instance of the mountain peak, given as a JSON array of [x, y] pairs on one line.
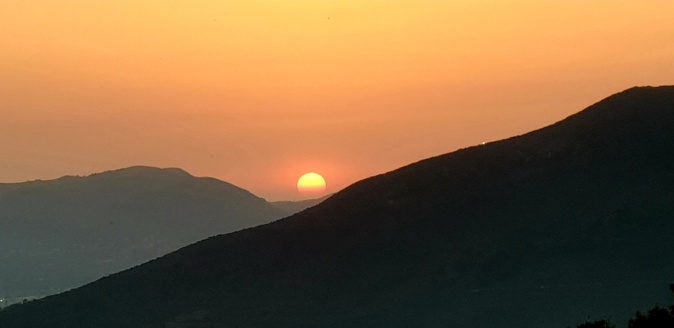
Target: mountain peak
[[109, 221], [645, 103], [146, 171]]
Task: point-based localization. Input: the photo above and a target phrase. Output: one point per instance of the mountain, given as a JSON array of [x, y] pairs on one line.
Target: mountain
[[541, 230], [59, 234], [292, 207]]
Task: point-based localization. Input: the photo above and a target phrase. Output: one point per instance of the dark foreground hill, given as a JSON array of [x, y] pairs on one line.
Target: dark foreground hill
[[542, 230], [63, 233]]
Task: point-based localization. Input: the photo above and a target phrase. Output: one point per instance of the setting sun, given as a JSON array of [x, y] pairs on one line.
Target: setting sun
[[311, 183]]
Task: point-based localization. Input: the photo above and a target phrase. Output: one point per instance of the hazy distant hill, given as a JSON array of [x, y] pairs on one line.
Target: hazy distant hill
[[542, 230], [292, 207], [70, 231]]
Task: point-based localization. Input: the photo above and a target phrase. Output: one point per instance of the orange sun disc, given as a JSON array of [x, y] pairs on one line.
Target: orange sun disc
[[311, 183]]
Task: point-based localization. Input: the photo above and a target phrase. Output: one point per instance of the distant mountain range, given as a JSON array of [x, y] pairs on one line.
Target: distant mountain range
[[541, 230], [59, 234], [292, 207]]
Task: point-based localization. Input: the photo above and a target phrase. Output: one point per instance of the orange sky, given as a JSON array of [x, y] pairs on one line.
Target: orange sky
[[257, 93]]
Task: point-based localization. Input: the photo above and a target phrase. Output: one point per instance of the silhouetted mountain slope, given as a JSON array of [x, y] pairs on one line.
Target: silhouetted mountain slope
[[67, 232], [540, 230], [292, 207]]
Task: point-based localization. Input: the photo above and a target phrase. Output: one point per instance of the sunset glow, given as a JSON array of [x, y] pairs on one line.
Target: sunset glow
[[257, 92]]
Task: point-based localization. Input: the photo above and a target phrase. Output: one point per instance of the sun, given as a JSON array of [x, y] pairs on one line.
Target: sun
[[311, 183]]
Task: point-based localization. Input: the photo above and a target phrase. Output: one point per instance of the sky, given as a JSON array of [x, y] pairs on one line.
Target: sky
[[259, 92]]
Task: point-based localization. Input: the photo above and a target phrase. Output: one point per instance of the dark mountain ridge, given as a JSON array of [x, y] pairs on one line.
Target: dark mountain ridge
[[63, 233], [541, 230]]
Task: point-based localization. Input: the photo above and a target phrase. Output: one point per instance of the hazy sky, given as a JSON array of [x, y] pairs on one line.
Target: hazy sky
[[257, 93]]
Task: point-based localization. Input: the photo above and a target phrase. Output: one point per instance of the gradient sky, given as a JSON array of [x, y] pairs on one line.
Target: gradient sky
[[257, 93]]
